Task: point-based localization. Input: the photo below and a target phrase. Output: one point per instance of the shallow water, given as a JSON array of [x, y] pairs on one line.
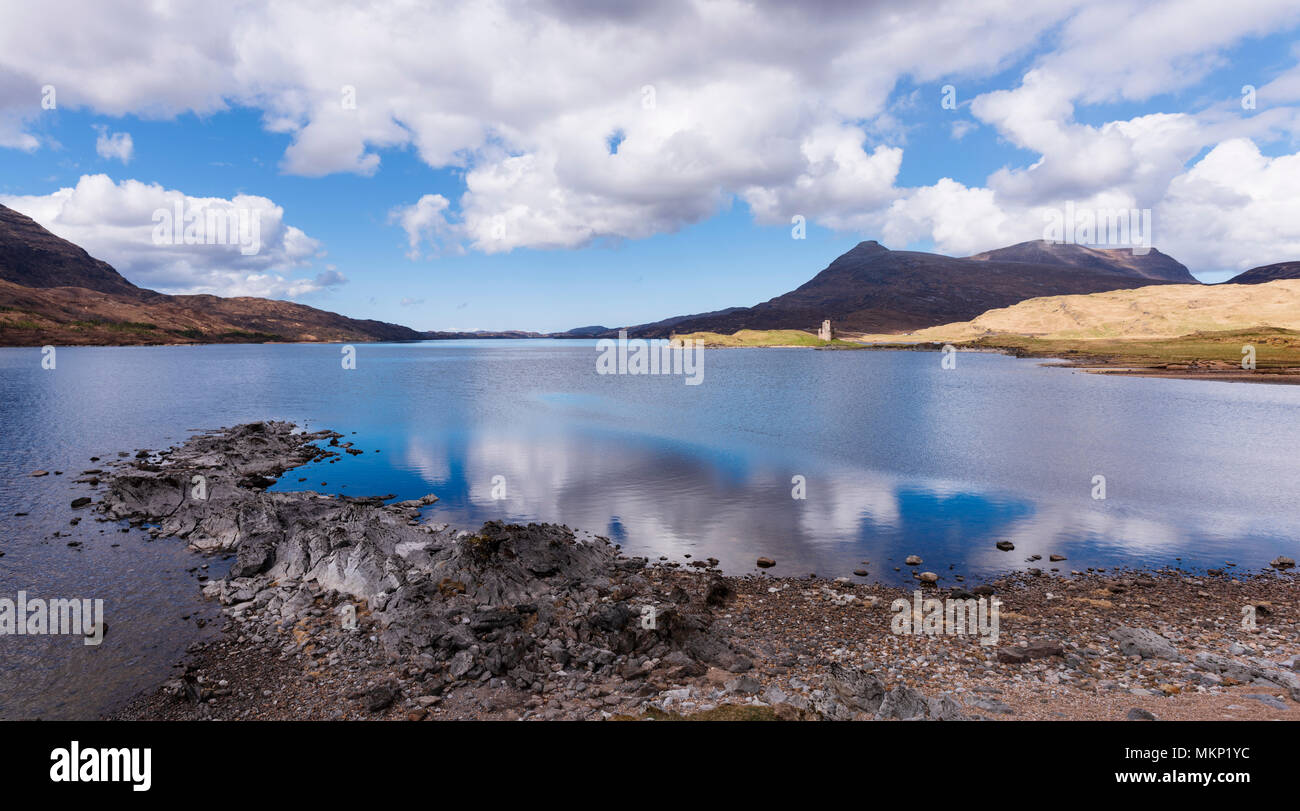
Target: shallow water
[[898, 456]]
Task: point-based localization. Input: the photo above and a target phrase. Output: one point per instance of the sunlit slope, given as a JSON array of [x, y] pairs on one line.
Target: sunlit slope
[[1158, 311]]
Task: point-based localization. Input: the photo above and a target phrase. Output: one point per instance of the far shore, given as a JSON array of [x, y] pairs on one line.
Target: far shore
[[1210, 359], [1202, 356]]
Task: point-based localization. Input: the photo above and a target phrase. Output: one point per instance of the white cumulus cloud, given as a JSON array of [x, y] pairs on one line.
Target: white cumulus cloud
[[789, 108], [114, 145], [135, 228]]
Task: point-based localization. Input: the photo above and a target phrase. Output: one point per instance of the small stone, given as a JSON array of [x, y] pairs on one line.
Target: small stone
[[913, 560], [928, 577], [1282, 562], [989, 705], [1139, 714], [765, 563], [1005, 546], [745, 684], [1039, 649], [381, 698]]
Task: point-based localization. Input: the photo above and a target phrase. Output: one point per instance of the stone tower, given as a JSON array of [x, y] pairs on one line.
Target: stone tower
[[826, 333]]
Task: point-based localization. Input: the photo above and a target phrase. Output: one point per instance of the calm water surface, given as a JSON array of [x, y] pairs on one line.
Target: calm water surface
[[898, 457]]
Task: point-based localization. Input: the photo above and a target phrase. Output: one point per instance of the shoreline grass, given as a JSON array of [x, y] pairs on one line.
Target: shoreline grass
[[1275, 348], [766, 337]]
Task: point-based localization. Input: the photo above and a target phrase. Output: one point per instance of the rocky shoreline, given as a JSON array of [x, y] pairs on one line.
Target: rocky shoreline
[[345, 608]]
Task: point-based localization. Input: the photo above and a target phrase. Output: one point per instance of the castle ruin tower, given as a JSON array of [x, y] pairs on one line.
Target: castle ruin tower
[[826, 333]]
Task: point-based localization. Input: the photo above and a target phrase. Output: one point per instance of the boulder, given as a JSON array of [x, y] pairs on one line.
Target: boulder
[[856, 687], [903, 704], [1039, 649], [1145, 643]]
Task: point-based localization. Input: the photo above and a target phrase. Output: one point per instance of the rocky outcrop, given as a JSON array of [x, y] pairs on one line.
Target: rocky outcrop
[[506, 601], [1251, 670]]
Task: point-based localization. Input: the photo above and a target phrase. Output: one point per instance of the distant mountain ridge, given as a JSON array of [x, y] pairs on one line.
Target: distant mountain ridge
[[872, 289], [1151, 265], [1267, 273], [53, 292]]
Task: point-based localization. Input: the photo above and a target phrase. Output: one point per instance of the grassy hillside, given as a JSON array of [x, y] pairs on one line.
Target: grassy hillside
[[1167, 329], [1156, 312], [36, 316]]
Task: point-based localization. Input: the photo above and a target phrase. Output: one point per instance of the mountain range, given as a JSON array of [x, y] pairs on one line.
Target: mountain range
[[52, 291], [871, 289]]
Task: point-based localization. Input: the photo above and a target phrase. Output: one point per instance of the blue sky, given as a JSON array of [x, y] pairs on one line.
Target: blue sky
[[532, 224]]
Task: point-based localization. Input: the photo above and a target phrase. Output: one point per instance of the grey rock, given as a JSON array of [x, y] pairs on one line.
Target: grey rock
[[1272, 701], [774, 695], [856, 687], [945, 707], [904, 704], [461, 664], [828, 706], [1145, 643], [1250, 670], [747, 685], [989, 705], [1038, 649]]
